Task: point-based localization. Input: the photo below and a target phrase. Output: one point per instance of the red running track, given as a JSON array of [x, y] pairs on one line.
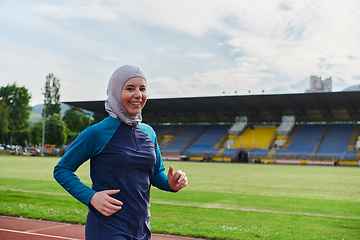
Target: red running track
[[12, 228]]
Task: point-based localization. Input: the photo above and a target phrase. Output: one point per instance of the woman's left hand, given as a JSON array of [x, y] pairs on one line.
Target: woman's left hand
[[177, 180]]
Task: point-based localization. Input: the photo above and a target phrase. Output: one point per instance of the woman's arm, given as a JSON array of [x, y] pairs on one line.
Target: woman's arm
[[173, 181], [89, 143], [64, 171]]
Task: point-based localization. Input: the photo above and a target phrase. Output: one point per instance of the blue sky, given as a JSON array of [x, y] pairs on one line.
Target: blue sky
[[185, 48]]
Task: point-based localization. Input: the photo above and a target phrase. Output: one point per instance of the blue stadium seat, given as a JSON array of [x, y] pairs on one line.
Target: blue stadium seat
[[304, 142], [230, 152], [182, 141], [160, 129], [258, 153], [206, 142], [336, 139]]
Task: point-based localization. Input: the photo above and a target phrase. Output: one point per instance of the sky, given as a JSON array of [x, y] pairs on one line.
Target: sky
[[186, 48]]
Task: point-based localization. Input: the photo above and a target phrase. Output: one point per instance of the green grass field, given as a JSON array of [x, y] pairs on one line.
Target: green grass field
[[222, 200]]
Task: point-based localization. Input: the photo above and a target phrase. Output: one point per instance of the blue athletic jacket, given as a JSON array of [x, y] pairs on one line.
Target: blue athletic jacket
[[121, 157]]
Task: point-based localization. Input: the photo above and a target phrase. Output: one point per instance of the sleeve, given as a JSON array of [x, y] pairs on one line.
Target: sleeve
[[89, 143], [160, 178]]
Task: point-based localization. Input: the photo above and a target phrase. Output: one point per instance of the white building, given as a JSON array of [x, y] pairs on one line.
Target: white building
[[318, 85]]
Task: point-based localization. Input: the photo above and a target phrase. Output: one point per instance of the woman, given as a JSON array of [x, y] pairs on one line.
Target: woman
[[125, 162]]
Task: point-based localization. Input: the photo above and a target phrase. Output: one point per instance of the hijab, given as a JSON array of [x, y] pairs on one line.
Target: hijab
[[113, 104]]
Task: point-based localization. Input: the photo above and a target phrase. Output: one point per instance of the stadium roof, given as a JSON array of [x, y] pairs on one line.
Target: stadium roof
[[306, 107]]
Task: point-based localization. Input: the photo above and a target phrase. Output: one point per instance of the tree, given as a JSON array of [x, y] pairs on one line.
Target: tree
[[52, 95], [17, 100], [97, 117], [4, 119], [76, 121], [36, 134], [55, 130]]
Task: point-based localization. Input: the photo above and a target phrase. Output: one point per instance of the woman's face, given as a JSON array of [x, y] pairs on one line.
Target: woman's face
[[134, 95]]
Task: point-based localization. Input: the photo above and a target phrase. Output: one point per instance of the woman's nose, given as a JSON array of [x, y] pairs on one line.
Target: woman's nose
[[137, 93]]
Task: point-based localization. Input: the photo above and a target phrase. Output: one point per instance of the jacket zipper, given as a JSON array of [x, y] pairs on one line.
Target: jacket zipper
[[133, 138]]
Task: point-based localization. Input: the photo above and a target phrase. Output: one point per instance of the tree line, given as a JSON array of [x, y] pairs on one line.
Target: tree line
[[15, 112]]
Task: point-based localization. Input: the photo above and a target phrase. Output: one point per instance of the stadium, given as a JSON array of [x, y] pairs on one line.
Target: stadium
[[318, 128], [271, 197]]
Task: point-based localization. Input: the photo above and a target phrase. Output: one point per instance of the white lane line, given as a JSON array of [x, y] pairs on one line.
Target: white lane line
[[29, 191], [225, 208], [47, 228], [256, 210], [37, 234]]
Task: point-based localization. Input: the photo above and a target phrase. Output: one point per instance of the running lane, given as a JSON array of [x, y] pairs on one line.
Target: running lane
[[12, 228]]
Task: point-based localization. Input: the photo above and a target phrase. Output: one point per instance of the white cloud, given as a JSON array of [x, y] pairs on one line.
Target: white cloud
[[189, 48], [314, 39], [293, 36], [164, 47], [291, 87], [111, 58], [213, 83], [198, 55], [93, 10], [192, 17]]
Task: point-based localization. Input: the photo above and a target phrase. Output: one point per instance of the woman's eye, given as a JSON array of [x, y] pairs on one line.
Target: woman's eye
[[129, 89], [142, 89]]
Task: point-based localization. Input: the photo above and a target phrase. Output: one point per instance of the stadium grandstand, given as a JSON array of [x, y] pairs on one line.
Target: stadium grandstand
[[306, 129]]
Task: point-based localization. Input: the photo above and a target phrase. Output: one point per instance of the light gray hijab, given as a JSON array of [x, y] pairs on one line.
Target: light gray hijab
[[113, 104]]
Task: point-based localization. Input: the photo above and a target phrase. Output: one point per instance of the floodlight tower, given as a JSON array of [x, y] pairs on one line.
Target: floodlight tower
[[43, 132]]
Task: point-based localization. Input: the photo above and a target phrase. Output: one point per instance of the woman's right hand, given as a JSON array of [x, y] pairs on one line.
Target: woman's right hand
[[105, 204]]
